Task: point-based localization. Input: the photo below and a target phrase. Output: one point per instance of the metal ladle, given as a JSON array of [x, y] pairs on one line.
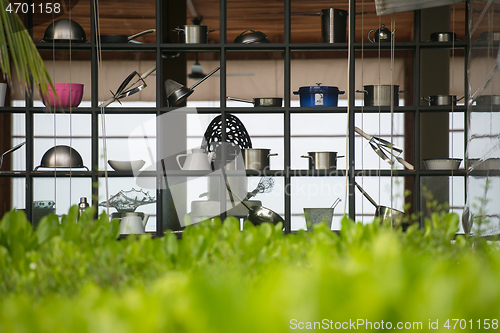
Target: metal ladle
[[256, 214], [180, 93]]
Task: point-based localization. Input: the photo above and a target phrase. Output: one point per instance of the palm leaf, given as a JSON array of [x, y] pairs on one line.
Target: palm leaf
[[18, 51]]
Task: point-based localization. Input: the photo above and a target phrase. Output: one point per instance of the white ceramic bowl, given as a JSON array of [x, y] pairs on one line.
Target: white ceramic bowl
[[126, 165], [442, 163]]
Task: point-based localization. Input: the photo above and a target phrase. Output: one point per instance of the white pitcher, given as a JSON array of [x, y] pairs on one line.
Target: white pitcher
[[132, 223], [197, 160]]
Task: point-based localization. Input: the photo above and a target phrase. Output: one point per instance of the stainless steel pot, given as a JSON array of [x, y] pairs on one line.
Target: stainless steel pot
[[436, 100], [61, 157], [333, 25], [322, 160], [488, 100], [380, 94], [257, 158], [490, 35], [443, 37], [193, 34]]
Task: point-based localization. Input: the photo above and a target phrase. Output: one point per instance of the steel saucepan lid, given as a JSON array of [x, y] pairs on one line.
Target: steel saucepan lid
[[251, 37]]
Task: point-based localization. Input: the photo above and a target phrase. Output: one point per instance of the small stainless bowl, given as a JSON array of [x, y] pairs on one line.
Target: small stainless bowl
[[442, 163]]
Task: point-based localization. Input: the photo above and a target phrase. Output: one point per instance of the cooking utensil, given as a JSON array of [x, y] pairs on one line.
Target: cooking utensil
[[322, 160], [124, 38], [68, 95], [13, 149], [126, 89], [381, 141], [488, 100], [381, 147], [443, 37], [442, 163], [333, 24], [483, 164], [490, 35], [197, 160], [318, 95], [251, 37], [265, 185], [318, 215], [335, 203], [436, 100], [260, 101], [61, 156], [380, 94], [382, 211], [64, 30], [126, 165], [133, 223], [193, 34], [177, 93], [257, 158], [256, 214], [382, 34]]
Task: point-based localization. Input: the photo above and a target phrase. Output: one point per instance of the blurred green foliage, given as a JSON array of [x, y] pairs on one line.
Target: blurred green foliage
[[74, 276]]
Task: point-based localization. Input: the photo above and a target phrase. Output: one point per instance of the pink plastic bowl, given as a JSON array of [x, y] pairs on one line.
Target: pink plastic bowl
[[70, 95]]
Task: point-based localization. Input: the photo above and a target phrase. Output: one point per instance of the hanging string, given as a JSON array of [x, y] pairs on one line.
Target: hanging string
[[363, 105], [53, 109], [348, 117], [393, 42], [452, 102], [97, 31], [70, 111], [379, 107]]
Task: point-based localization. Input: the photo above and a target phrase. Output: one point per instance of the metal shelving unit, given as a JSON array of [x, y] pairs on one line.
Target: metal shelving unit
[[287, 47]]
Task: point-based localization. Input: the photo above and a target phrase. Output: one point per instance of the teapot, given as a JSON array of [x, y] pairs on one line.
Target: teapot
[[132, 223], [383, 34], [197, 160]]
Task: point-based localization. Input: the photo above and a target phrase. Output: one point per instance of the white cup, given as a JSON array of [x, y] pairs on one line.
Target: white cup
[[3, 91]]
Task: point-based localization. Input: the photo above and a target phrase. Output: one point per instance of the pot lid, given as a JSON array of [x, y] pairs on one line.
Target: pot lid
[[318, 88]]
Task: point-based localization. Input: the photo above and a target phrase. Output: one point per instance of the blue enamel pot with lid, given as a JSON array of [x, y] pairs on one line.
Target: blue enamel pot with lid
[[318, 95]]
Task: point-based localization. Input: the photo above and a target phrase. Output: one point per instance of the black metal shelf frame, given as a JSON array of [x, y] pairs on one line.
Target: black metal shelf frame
[[287, 47]]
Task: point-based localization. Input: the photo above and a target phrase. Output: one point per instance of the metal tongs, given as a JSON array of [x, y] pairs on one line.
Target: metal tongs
[[384, 149], [126, 89]]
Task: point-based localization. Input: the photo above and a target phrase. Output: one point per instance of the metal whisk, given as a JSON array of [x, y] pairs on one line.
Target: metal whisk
[[265, 185]]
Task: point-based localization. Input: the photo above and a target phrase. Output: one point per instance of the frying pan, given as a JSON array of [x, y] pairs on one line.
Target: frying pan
[[382, 211], [260, 101], [179, 95], [124, 38]]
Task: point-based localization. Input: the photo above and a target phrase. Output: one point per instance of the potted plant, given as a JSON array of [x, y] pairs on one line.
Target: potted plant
[[19, 53]]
